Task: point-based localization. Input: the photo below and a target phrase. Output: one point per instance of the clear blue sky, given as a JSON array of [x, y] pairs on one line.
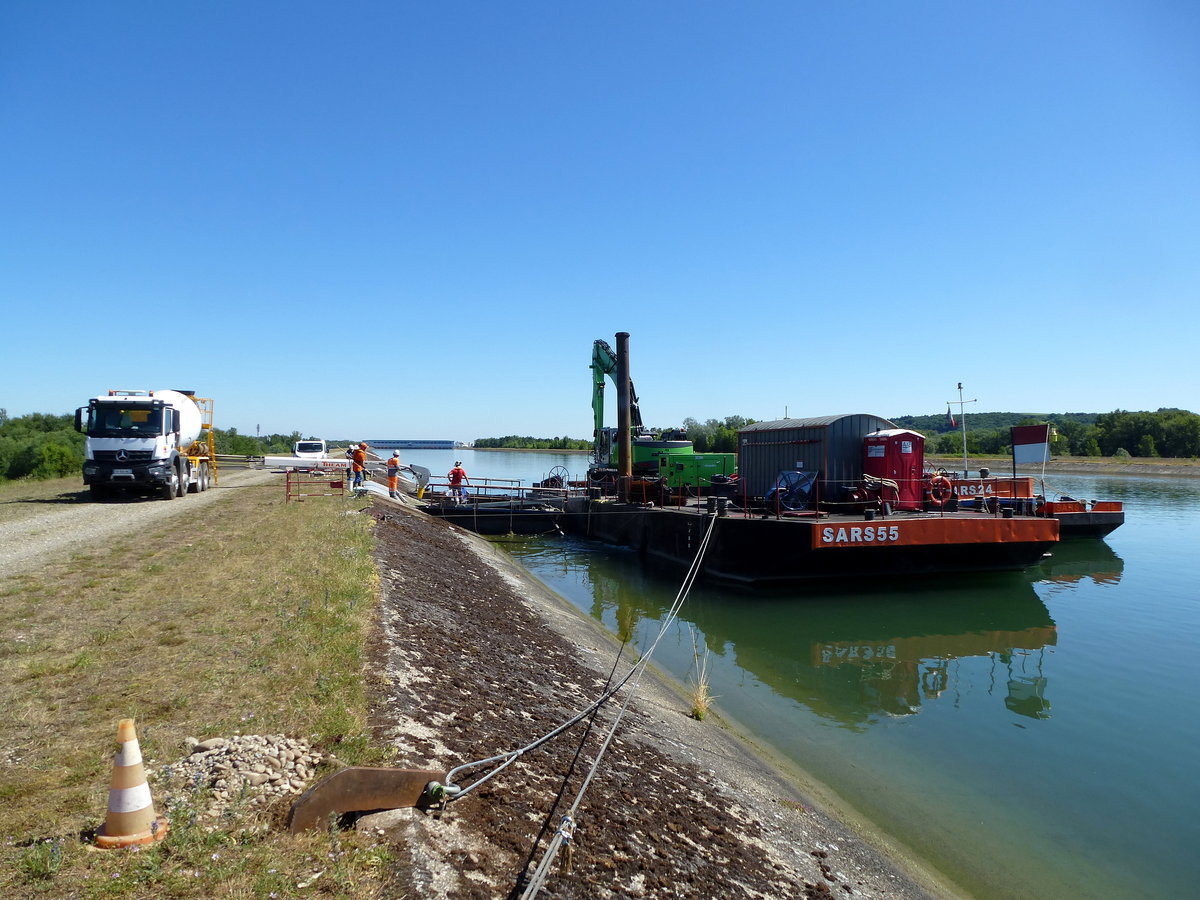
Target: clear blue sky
[[413, 219]]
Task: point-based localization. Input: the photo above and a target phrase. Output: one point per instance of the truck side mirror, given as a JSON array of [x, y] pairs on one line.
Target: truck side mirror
[[175, 421], [79, 418]]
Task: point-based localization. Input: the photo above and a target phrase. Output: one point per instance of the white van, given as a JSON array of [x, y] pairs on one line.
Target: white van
[[311, 449]]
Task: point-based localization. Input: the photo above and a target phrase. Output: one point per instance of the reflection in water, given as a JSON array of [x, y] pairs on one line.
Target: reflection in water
[[1074, 561], [852, 658], [1026, 690], [849, 656]]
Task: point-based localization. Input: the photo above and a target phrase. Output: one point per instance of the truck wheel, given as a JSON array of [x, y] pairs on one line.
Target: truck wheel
[[195, 486], [203, 476], [171, 488], [181, 488]]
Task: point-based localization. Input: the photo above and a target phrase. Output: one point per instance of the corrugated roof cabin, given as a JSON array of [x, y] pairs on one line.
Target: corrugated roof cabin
[[831, 447]]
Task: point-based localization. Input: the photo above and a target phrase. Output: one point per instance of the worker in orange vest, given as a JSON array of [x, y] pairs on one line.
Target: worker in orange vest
[[393, 474], [358, 463]]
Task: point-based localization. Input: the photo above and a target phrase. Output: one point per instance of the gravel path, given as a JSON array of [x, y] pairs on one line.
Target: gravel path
[[61, 525]]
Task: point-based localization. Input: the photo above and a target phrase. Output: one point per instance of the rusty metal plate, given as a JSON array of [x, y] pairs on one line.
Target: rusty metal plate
[[359, 789]]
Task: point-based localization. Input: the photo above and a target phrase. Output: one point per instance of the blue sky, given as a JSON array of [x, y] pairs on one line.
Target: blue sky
[[413, 219]]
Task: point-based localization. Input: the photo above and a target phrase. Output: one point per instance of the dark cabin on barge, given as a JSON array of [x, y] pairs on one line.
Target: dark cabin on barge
[[828, 448]]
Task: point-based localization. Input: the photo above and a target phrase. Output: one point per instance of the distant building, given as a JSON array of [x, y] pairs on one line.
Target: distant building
[[392, 444]]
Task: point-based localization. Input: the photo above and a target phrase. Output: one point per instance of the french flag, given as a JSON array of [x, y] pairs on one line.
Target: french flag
[[950, 418]]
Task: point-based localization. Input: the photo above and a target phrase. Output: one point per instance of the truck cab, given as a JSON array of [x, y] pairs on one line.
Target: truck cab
[[148, 442]]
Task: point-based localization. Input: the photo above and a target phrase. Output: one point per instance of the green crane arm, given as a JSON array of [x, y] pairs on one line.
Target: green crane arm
[[604, 362]]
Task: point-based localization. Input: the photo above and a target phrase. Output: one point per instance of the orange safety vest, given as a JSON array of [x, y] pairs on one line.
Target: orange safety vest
[[360, 459]]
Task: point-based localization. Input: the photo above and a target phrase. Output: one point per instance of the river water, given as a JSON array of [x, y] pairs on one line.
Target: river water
[[1030, 735]]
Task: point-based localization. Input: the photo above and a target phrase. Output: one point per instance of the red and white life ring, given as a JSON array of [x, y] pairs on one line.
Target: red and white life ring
[[940, 490]]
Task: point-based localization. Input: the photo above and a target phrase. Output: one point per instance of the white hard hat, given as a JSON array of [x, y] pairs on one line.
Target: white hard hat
[[395, 453]]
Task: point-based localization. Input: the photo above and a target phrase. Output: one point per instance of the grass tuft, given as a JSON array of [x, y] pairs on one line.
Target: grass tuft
[[701, 696]]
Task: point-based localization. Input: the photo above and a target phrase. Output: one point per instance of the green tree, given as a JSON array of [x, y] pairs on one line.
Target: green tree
[[56, 460], [947, 444], [40, 445], [1181, 434]]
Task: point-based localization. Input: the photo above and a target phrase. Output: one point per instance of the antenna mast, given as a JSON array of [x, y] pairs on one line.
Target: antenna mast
[[962, 415]]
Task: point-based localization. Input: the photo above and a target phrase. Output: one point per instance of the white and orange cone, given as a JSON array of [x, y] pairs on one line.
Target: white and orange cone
[[131, 819]]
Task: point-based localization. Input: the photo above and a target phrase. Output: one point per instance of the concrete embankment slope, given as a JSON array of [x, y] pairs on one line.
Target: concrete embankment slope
[[475, 657]]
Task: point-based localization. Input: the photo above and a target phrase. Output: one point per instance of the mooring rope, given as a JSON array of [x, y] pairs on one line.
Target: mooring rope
[[565, 833], [450, 791]]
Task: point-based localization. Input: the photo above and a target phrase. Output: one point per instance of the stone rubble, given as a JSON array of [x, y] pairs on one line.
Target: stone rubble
[[247, 771]]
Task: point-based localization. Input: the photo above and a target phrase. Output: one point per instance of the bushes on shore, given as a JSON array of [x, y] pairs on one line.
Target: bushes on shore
[[39, 446]]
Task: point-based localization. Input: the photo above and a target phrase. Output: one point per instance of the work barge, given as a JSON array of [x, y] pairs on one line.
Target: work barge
[[834, 497]]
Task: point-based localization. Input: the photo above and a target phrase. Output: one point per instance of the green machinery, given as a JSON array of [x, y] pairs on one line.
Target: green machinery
[[669, 455]]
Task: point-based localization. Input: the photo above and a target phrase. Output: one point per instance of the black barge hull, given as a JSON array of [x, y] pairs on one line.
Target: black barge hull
[[757, 551]]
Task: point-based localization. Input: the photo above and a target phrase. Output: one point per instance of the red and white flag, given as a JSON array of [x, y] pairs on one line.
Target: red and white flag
[[1030, 444]]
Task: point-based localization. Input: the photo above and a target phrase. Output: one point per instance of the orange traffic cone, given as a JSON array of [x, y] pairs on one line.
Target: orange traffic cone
[[131, 819]]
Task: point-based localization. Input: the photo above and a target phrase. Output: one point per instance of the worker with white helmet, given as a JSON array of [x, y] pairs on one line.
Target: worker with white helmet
[[456, 477], [393, 474]]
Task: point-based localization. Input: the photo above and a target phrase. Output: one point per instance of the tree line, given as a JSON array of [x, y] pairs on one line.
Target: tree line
[[516, 442], [41, 445], [1171, 433], [711, 436]]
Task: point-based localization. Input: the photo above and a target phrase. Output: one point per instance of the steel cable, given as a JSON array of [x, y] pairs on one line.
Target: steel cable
[[565, 832]]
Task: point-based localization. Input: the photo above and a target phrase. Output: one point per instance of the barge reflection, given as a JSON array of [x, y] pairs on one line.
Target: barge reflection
[[851, 655], [1073, 562]]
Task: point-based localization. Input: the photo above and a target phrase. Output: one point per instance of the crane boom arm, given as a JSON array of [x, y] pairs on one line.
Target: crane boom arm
[[604, 362]]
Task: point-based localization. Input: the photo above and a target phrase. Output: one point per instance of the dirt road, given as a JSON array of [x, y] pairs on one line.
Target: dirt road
[[39, 530]]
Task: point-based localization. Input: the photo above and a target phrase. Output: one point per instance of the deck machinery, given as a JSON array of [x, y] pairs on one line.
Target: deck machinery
[[665, 460]]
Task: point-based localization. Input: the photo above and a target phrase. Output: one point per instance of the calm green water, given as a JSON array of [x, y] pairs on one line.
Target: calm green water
[[1031, 734]]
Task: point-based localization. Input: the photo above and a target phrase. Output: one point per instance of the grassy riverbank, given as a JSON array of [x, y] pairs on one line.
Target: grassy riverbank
[[247, 616], [1084, 465]]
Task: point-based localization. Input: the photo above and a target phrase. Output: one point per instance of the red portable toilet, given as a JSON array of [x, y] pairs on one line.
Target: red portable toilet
[[898, 455]]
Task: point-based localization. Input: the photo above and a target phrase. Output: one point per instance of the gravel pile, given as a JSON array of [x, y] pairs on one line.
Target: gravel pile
[[247, 771]]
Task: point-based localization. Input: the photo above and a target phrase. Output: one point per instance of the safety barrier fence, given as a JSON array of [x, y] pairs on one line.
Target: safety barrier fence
[[300, 484], [499, 488]]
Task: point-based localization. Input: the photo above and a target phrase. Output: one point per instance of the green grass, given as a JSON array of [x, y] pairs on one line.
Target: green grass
[[248, 614]]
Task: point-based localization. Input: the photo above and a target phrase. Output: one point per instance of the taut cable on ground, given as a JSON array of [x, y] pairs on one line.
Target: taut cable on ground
[[450, 791], [566, 830]]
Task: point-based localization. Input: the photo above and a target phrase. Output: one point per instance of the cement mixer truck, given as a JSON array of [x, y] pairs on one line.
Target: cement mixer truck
[[151, 442]]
